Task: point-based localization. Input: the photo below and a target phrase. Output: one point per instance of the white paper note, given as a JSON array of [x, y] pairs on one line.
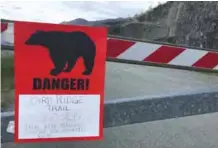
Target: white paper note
[[58, 116]]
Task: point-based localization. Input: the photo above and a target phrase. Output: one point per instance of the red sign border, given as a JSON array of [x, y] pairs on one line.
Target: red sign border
[[62, 139]]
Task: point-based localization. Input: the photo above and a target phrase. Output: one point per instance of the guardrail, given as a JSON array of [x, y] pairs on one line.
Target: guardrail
[[141, 109]]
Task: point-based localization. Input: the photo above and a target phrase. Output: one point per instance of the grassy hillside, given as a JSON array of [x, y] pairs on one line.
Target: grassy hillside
[[7, 81]]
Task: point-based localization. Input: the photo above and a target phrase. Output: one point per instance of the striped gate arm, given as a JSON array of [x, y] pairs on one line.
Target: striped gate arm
[[4, 27], [162, 54]]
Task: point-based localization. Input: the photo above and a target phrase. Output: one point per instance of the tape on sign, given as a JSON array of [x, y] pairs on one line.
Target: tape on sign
[[10, 128]]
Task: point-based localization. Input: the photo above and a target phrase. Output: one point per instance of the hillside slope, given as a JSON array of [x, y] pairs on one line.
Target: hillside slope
[[187, 23]]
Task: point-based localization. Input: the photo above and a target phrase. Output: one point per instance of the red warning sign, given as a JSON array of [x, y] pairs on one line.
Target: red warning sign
[[59, 82]]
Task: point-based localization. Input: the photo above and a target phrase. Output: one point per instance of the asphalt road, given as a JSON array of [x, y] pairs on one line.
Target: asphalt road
[[123, 81]]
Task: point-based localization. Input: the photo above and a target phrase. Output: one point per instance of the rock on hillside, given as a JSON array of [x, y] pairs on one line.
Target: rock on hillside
[[186, 23], [198, 21]]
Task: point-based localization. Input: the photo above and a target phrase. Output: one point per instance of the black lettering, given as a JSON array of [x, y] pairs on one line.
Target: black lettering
[[37, 83], [60, 84], [64, 84], [46, 84], [55, 84], [73, 84], [80, 84]]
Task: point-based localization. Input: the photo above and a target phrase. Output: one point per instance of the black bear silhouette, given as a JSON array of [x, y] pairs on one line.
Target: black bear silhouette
[[65, 48]]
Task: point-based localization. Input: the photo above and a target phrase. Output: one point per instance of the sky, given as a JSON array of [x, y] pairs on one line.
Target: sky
[[59, 11]]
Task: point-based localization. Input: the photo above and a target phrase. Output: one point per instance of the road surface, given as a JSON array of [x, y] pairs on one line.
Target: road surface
[[123, 81]]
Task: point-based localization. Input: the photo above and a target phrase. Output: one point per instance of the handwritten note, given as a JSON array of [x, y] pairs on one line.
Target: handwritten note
[[57, 116]]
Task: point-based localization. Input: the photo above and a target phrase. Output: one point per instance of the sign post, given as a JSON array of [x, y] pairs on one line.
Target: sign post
[[59, 82]]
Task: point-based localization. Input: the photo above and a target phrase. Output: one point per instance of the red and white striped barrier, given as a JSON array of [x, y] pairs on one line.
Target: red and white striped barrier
[[162, 54], [7, 34], [145, 52]]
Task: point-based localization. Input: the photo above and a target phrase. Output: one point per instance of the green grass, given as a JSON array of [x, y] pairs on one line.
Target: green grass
[[7, 81]]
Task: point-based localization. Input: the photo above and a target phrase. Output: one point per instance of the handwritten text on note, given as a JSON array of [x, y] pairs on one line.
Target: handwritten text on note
[[57, 116]]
